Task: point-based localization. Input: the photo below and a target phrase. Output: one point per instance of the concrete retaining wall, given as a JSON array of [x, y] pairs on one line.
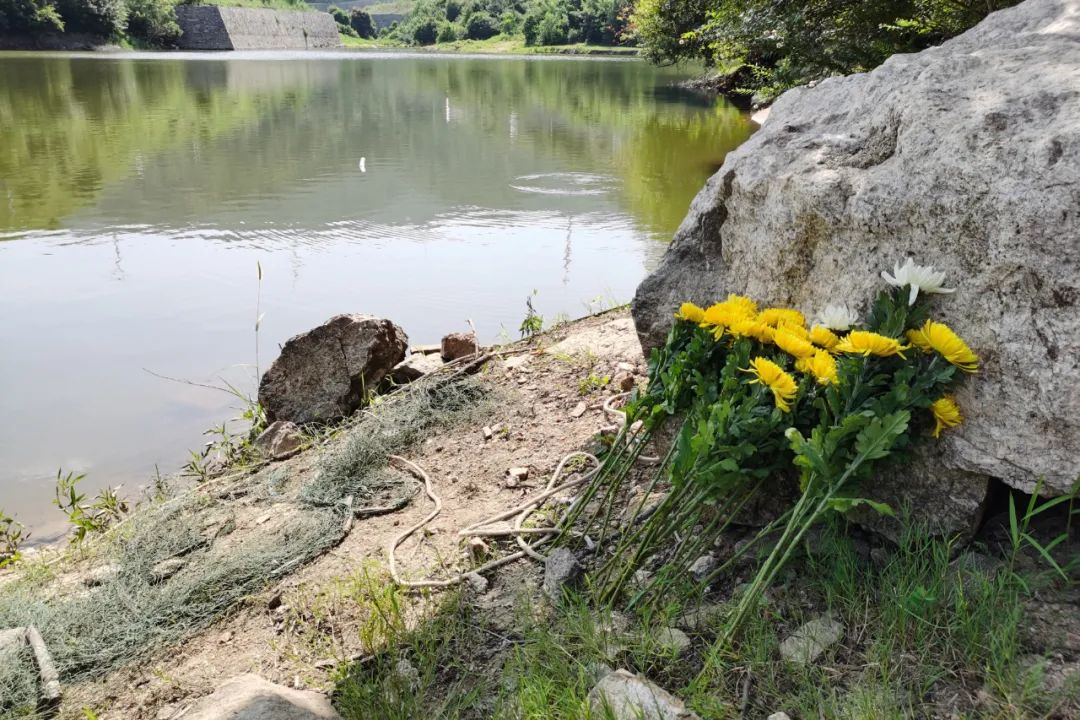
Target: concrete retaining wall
[[208, 27]]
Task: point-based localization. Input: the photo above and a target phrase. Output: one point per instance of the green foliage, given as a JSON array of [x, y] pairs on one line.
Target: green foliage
[[532, 323], [85, 518], [788, 42], [448, 32], [12, 535], [480, 26], [363, 24], [29, 16], [97, 17], [341, 17], [153, 21], [425, 32]]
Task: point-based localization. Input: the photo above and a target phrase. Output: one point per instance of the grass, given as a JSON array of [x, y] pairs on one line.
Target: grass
[[921, 640]]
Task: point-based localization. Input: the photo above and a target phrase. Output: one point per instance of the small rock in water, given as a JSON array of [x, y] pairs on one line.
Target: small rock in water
[[703, 566], [561, 570], [672, 640], [622, 695], [458, 345], [579, 410], [280, 440], [810, 641]]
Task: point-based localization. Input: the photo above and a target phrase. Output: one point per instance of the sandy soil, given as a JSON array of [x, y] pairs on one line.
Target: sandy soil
[[296, 632]]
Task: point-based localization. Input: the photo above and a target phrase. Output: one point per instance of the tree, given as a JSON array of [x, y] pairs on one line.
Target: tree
[[153, 21], [363, 23], [29, 16], [340, 16], [425, 32], [480, 26], [96, 17]]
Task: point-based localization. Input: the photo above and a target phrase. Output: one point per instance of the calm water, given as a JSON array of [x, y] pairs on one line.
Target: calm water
[[138, 192]]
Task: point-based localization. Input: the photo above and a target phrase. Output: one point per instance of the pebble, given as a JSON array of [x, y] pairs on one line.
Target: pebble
[[579, 410], [810, 641]]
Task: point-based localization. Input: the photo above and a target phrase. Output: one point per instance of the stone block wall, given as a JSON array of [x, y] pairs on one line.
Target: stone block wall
[[208, 27]]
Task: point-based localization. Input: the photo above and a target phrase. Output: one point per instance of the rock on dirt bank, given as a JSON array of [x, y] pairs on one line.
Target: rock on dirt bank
[[966, 157]]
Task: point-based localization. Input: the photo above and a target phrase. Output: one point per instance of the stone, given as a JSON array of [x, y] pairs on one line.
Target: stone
[[579, 410], [779, 716], [425, 349], [809, 642], [701, 567], [250, 697], [415, 367], [1050, 626], [477, 582], [488, 433], [971, 568], [516, 476], [280, 440], [408, 673], [165, 569], [964, 156], [459, 345], [561, 570], [672, 640], [701, 617], [326, 373], [101, 575], [614, 340], [622, 695], [623, 381], [209, 27]]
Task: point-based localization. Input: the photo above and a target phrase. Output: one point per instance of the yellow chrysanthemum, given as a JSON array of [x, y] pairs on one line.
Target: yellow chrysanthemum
[[792, 344], [771, 375], [821, 366], [863, 342], [742, 304], [798, 331], [753, 329], [725, 314], [935, 336], [775, 316], [690, 312], [823, 337], [946, 414]]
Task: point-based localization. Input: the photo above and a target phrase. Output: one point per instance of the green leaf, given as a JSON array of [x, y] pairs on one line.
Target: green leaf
[[844, 504], [876, 439]]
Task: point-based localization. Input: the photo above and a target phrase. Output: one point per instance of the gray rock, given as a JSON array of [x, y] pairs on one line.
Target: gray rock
[[779, 716], [415, 367], [701, 618], [561, 570], [166, 569], [965, 156], [249, 697], [325, 374], [281, 439], [458, 345], [810, 641], [672, 640], [101, 575], [626, 696], [701, 567]]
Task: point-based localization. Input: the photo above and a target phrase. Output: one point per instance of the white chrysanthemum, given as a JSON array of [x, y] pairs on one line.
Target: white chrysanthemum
[[836, 317], [921, 278]]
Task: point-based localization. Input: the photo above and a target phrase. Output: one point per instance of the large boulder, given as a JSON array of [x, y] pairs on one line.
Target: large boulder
[[326, 373], [249, 697], [966, 157]]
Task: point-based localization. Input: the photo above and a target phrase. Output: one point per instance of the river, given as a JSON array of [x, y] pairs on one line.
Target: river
[[139, 192]]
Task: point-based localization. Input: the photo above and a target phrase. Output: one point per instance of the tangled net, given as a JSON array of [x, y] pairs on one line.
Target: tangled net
[[177, 566]]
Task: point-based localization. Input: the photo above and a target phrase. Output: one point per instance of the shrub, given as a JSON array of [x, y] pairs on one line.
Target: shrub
[[340, 16], [362, 23], [453, 10], [480, 26], [25, 16], [509, 23], [425, 32], [153, 21], [97, 17], [448, 32]]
